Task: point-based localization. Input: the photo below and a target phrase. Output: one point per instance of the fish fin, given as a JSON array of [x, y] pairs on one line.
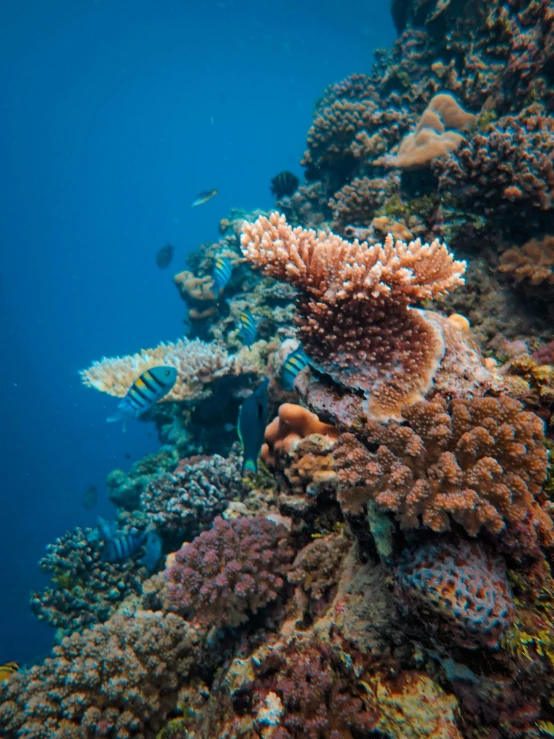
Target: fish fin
[[117, 416], [249, 465]]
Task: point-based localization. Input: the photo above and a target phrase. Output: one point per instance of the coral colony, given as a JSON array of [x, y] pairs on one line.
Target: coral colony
[[386, 571]]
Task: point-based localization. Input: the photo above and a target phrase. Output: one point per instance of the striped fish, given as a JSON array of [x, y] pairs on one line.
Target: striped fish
[[118, 545], [9, 668], [221, 274], [248, 328], [146, 390], [293, 364]]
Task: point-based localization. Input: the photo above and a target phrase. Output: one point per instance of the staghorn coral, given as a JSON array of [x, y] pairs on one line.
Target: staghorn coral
[[232, 570], [117, 679], [481, 462], [354, 316], [459, 590], [185, 502], [84, 589], [431, 138], [532, 263], [197, 364]]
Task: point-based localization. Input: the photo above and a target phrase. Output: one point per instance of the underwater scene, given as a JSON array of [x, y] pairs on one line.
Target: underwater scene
[[278, 372]]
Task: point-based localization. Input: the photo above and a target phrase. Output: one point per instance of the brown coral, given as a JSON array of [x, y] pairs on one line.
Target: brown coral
[[431, 139], [533, 262], [198, 293], [355, 320], [480, 462], [118, 679]]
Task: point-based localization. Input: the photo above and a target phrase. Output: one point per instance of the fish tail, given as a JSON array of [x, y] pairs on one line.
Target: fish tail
[[249, 465], [117, 416]]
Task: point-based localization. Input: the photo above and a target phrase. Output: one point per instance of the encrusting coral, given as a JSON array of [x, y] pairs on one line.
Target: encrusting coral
[[459, 591], [232, 570], [480, 462], [197, 364], [436, 134], [354, 316], [117, 679]]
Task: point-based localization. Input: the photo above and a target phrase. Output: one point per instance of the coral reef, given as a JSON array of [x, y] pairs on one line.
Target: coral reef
[[459, 591], [533, 262], [186, 501], [354, 317], [116, 679], [85, 589], [232, 570], [437, 133], [197, 364], [480, 462]]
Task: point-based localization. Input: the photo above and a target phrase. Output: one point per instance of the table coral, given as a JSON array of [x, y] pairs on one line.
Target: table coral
[[117, 679], [459, 590], [532, 263], [85, 589], [187, 501], [354, 315], [480, 462], [197, 364], [232, 570]]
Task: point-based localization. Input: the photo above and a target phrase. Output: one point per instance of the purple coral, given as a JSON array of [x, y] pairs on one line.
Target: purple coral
[[235, 568], [458, 589]]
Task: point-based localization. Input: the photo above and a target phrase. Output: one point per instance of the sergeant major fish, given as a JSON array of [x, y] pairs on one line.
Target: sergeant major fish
[[144, 393], [221, 274], [293, 364], [251, 426], [248, 328], [119, 545]]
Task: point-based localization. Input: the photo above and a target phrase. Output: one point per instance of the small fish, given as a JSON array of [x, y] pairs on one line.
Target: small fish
[[146, 390], [90, 497], [164, 256], [251, 426], [223, 269], [248, 328], [153, 551], [285, 183], [7, 669], [293, 364], [119, 545], [204, 197]]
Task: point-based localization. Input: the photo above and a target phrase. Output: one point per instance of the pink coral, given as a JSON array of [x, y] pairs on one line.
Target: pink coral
[[459, 590], [354, 315], [232, 570]]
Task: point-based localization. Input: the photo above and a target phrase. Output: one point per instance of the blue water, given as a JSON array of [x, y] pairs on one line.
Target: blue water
[[114, 115]]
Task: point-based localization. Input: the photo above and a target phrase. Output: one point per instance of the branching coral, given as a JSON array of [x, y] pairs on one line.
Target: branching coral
[[481, 462], [197, 364], [506, 172], [232, 570], [436, 134], [459, 590], [188, 500], [532, 263], [116, 679], [85, 589], [355, 321], [355, 204]]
